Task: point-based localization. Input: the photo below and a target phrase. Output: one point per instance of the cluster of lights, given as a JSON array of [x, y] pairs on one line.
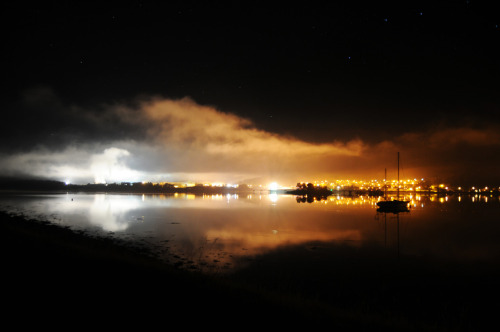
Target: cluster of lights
[[411, 184], [408, 185]]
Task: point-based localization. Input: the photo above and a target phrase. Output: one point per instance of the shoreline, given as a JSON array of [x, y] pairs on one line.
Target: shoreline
[[49, 269]]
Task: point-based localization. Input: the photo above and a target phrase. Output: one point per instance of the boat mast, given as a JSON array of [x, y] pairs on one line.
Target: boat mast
[[398, 179], [385, 184]]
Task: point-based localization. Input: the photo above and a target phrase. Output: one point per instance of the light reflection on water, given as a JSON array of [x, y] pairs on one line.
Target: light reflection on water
[[216, 232]]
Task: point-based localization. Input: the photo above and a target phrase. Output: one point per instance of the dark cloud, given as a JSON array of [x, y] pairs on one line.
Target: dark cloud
[[302, 90], [172, 140], [40, 117]]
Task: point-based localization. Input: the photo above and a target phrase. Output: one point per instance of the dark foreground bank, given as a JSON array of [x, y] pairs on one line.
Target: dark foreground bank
[[54, 277]]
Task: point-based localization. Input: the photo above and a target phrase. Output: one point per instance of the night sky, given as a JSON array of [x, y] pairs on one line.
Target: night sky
[[250, 91]]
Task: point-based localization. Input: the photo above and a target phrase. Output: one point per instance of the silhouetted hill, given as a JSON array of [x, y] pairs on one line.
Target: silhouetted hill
[[30, 184]]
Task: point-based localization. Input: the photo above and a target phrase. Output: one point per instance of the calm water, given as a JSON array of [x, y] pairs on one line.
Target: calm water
[[220, 233]]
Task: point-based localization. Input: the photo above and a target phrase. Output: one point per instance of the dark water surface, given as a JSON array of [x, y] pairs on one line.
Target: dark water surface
[[435, 268], [218, 233]]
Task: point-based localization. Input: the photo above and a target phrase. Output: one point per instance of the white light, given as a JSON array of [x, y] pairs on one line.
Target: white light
[[273, 186]]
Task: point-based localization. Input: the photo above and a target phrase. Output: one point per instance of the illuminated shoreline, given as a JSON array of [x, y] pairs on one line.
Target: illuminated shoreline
[[322, 188]]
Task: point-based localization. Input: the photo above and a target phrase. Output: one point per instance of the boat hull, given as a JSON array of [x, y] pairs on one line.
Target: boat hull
[[393, 206]]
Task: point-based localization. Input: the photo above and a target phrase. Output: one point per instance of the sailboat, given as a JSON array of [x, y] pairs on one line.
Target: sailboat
[[395, 205]]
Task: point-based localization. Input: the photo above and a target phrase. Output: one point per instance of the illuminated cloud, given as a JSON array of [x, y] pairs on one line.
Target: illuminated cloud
[[179, 140], [72, 165], [462, 155], [203, 139], [109, 167], [189, 125]]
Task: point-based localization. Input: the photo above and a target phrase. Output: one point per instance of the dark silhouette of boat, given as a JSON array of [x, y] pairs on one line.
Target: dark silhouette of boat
[[396, 205], [393, 206]]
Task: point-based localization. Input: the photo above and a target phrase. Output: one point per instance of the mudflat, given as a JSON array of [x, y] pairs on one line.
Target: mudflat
[[55, 277], [52, 276]]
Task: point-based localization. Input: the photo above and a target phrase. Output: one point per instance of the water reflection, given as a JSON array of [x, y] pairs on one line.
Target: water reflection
[[391, 221], [221, 231], [112, 212]]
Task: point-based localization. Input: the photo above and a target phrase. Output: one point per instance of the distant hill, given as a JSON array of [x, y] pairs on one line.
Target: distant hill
[[30, 184]]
